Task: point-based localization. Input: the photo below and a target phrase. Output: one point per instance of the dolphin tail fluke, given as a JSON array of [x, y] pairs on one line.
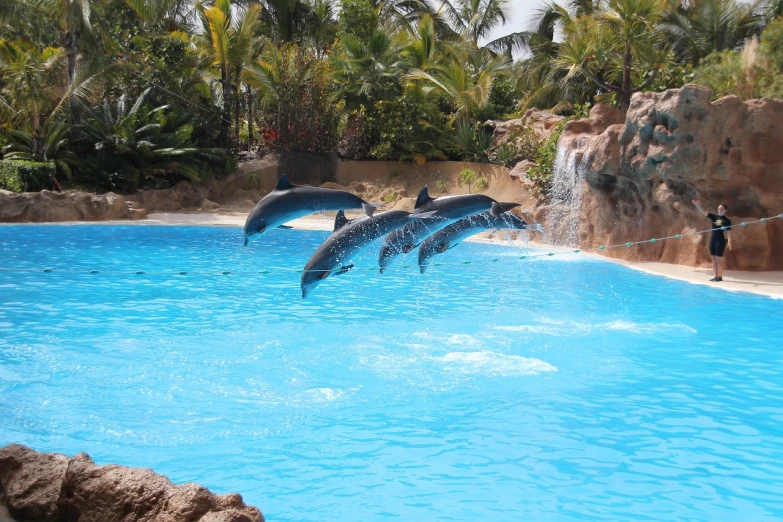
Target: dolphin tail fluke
[[369, 208], [499, 208]]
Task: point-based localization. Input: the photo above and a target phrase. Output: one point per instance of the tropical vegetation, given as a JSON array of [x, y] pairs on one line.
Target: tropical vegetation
[[128, 94]]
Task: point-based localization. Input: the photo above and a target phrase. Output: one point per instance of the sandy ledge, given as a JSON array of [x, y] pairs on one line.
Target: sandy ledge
[[768, 284]]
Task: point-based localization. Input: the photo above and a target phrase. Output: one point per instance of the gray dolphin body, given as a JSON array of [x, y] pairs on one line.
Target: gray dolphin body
[[448, 237], [348, 238], [289, 202], [447, 210]]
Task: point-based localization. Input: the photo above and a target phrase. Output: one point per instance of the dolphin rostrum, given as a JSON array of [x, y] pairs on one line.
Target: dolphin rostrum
[[450, 236], [447, 210], [288, 202], [349, 237]]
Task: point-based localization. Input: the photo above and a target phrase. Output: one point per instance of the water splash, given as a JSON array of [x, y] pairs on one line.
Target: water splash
[[571, 164]]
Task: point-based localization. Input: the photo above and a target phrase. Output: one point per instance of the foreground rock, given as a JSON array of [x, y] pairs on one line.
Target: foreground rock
[[49, 487], [635, 179], [46, 206]]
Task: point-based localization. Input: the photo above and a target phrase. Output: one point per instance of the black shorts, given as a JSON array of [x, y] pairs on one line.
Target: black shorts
[[717, 246]]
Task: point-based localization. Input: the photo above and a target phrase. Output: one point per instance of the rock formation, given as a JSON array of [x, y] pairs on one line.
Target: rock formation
[[46, 206], [49, 487], [636, 178]]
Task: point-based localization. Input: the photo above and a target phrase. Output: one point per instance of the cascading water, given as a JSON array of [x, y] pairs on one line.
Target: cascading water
[[571, 164]]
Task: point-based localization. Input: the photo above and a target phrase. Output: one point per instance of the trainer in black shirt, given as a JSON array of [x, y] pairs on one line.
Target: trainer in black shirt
[[720, 238]]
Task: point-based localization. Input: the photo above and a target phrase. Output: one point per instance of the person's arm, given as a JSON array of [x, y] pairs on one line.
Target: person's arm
[[728, 239], [697, 204]]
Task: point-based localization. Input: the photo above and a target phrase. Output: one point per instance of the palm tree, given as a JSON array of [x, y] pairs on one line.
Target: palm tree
[[474, 20], [227, 41], [706, 26], [465, 78], [614, 46], [34, 93], [370, 71]]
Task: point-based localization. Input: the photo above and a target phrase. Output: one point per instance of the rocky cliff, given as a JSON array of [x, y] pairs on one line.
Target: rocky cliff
[[49, 487], [634, 179]]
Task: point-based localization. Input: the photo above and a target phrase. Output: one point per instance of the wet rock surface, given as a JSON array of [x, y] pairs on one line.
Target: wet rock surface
[[635, 179], [49, 487]]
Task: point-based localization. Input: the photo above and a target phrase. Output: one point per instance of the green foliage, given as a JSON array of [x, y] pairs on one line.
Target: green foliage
[[391, 197], [26, 176], [470, 143], [442, 186], [306, 117], [131, 146], [540, 174], [404, 129], [719, 72], [482, 184], [467, 177], [358, 18]]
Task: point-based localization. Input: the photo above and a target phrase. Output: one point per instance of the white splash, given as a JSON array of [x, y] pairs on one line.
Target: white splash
[[492, 363], [568, 328], [569, 169]]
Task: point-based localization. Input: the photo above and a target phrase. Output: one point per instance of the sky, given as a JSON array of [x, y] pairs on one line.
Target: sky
[[521, 13]]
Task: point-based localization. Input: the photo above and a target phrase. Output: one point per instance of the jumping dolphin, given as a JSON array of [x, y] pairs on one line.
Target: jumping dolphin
[[447, 210], [289, 202], [348, 238], [450, 236]]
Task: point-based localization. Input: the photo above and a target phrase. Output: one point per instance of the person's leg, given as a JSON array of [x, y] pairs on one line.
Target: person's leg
[[720, 267], [715, 261]]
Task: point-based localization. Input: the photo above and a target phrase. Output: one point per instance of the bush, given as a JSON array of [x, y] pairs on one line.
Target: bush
[[467, 177], [26, 176]]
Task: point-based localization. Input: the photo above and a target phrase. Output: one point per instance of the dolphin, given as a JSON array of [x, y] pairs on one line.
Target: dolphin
[[447, 210], [289, 202], [450, 236], [348, 238]]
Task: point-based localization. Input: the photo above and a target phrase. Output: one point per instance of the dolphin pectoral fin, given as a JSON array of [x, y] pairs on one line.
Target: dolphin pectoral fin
[[499, 208], [369, 208], [343, 270], [261, 229], [407, 248], [285, 227], [324, 274], [283, 183], [443, 247]]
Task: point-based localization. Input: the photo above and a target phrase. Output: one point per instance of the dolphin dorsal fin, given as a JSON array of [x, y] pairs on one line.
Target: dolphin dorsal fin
[[340, 220], [423, 198], [283, 184]]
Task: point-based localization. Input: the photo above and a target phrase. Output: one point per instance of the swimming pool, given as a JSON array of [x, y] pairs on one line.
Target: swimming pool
[[554, 388]]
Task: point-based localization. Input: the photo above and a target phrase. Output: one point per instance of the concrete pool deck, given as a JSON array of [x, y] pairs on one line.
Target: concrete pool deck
[[768, 284]]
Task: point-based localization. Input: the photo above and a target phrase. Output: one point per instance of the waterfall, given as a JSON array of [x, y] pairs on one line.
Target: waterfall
[[571, 164]]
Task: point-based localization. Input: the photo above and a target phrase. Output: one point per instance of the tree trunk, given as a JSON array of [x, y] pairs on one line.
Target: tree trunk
[[237, 106], [249, 103], [70, 44], [225, 121], [625, 93], [39, 152]]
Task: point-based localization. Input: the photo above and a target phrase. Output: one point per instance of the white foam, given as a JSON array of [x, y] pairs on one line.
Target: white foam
[[324, 394], [565, 328], [463, 340], [493, 363]]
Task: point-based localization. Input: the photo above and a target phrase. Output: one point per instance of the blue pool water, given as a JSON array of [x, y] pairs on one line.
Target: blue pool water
[[562, 388]]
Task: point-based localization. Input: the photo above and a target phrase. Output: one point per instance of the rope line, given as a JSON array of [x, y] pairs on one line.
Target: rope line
[[273, 270]]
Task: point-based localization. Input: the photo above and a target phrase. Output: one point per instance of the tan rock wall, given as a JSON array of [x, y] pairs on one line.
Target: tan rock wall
[[49, 487], [675, 146]]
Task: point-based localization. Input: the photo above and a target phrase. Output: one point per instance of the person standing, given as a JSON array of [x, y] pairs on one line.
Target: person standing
[[720, 238]]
